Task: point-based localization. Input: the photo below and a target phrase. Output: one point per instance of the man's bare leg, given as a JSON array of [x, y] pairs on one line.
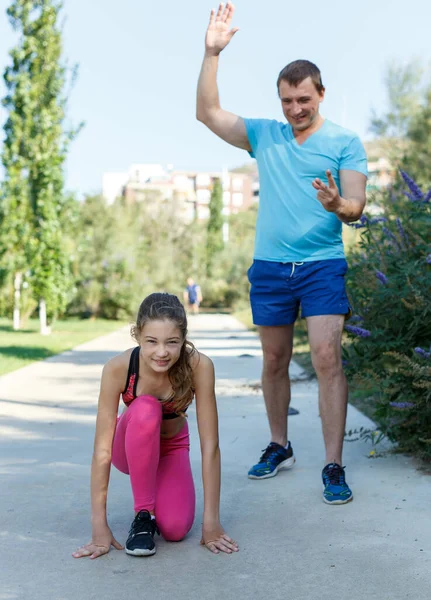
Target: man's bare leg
[[324, 334], [277, 343]]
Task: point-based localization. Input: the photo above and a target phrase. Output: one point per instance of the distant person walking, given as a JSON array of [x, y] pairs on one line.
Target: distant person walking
[[312, 176], [192, 296]]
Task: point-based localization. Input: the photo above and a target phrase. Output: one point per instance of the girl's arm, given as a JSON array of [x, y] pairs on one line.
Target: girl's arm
[[213, 535], [112, 383]]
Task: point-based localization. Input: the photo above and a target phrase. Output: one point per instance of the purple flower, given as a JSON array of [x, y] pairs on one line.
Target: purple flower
[[402, 404], [402, 232], [428, 259], [356, 318], [382, 278], [357, 331], [423, 352], [410, 197], [344, 363], [428, 196], [363, 221], [391, 237], [416, 192]]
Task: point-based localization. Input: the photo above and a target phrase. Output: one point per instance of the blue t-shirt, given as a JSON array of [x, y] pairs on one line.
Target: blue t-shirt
[[292, 225], [192, 291]]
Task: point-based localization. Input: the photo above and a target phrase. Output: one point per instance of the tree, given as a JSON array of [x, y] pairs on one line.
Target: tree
[[215, 226], [35, 150], [403, 88], [417, 159]]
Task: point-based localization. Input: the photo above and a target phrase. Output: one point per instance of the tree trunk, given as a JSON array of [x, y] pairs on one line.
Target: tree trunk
[[44, 328], [16, 307]]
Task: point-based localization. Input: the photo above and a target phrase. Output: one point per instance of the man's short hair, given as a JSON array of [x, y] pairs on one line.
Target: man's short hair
[[295, 72]]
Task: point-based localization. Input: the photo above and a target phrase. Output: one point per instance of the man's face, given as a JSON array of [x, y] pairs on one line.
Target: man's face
[[300, 104]]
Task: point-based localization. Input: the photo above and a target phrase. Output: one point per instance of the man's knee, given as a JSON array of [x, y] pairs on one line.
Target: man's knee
[[326, 358], [276, 360]]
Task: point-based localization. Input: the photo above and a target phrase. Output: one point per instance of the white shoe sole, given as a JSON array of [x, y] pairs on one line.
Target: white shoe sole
[[286, 464], [337, 501], [141, 552]]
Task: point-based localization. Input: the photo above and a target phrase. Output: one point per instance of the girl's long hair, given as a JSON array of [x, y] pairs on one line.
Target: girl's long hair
[[167, 307]]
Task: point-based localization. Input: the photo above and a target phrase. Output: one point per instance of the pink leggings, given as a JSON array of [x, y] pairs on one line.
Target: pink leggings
[[159, 468]]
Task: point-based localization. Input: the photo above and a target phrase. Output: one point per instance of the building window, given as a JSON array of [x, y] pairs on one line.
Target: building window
[[237, 199], [237, 184], [203, 179], [203, 196], [203, 212]]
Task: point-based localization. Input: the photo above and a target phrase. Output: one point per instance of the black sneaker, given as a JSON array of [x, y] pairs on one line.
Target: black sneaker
[[336, 489], [274, 458], [141, 535]]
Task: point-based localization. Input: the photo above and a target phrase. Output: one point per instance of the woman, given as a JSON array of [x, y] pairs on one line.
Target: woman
[[150, 440]]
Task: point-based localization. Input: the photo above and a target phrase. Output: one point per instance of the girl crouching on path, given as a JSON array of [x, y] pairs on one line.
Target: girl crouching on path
[[150, 440]]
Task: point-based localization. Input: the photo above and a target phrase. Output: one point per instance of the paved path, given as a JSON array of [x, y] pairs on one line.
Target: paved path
[[293, 546]]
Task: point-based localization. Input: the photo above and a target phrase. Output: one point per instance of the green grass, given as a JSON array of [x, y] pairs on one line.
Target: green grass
[[19, 348]]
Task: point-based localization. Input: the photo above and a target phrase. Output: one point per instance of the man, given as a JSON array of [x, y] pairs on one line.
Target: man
[[192, 296], [312, 179]]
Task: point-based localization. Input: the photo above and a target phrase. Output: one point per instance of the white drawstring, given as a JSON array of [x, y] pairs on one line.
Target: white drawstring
[[295, 264]]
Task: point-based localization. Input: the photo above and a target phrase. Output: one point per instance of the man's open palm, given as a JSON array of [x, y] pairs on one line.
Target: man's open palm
[[219, 33]]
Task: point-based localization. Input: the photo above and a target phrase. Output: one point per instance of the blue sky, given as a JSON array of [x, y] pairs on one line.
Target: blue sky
[[139, 63]]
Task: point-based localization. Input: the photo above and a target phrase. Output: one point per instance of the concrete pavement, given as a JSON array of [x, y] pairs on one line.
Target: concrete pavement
[[293, 546]]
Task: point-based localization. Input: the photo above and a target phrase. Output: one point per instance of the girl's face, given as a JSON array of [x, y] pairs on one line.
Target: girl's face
[[161, 343]]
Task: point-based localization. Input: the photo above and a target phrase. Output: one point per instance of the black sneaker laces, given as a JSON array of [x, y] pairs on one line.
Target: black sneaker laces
[[268, 452], [143, 523], [334, 474]]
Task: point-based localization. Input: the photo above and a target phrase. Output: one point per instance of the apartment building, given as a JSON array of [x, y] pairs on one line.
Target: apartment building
[[189, 192]]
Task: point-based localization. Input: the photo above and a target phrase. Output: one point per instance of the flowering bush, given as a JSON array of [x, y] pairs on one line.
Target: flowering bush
[[387, 353]]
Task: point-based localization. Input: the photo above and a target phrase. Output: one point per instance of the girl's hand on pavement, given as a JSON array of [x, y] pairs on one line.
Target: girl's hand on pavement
[[216, 540], [99, 545]]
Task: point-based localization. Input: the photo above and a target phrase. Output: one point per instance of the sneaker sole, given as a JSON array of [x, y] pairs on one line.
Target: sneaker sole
[[337, 501], [141, 552], [286, 464]]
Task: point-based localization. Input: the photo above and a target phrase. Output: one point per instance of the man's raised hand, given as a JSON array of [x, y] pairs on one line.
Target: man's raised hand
[[219, 33]]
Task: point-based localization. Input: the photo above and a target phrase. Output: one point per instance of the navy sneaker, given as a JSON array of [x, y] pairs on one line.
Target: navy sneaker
[[141, 535], [274, 458], [336, 489]]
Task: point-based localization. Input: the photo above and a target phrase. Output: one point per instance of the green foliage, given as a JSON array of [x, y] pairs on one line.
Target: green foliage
[[404, 132], [120, 253], [403, 85], [34, 152], [124, 252], [215, 226], [389, 281], [417, 158], [228, 286]]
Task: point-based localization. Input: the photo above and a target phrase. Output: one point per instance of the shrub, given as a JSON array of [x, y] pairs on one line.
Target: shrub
[[387, 354]]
